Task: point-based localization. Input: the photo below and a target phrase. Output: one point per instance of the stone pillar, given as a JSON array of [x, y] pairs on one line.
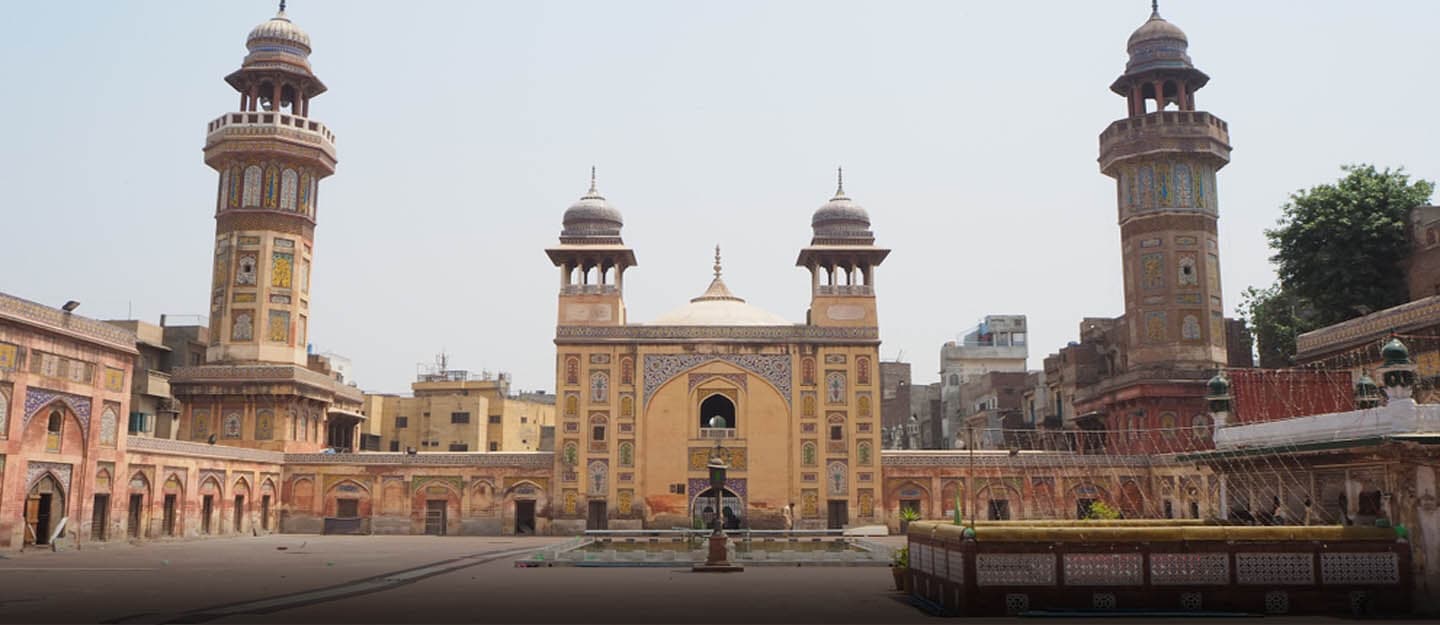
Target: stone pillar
[[1224, 498]]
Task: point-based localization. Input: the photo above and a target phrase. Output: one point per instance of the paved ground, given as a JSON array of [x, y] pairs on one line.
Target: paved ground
[[394, 579]]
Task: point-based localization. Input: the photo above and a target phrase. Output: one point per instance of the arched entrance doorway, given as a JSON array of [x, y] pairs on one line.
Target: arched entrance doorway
[[44, 509], [717, 405], [732, 508], [519, 508]]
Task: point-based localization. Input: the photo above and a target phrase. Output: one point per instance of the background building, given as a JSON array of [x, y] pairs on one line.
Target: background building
[[895, 398], [998, 343], [453, 410]]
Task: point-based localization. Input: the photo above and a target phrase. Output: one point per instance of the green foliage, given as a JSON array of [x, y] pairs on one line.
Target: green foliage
[[909, 514], [1101, 510], [958, 520], [1339, 254], [901, 558], [1275, 319]]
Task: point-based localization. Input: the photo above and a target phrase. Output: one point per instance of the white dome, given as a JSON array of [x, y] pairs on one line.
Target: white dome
[[719, 312], [719, 307]]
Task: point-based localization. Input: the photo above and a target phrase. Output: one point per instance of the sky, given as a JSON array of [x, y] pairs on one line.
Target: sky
[[968, 130]]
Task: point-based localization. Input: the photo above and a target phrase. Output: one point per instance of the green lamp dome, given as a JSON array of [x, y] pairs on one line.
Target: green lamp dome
[[718, 422], [1218, 385], [1395, 353]]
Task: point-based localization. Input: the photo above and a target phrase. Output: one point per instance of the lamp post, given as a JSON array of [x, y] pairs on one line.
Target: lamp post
[[716, 560]]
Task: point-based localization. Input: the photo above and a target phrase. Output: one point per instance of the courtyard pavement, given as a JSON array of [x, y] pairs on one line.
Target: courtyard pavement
[[424, 579]]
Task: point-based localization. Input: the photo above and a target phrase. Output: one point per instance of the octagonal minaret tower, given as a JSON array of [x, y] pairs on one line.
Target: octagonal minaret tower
[[842, 259], [1163, 156], [271, 157], [592, 259]]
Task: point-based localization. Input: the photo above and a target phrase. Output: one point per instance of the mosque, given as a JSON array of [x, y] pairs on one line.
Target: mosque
[[791, 406]]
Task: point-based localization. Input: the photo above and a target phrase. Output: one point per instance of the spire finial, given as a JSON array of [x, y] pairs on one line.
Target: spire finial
[[282, 7], [1154, 8], [839, 181], [592, 179], [717, 261]]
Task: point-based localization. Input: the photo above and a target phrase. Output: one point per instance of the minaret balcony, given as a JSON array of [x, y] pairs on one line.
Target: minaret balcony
[[844, 289], [590, 289], [251, 125], [1174, 132]]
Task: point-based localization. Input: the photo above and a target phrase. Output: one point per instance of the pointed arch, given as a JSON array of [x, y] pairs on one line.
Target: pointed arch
[[271, 190], [288, 181], [250, 198], [302, 494], [483, 497], [212, 482], [338, 483], [999, 491], [104, 481], [911, 493], [718, 404], [516, 487], [138, 483]]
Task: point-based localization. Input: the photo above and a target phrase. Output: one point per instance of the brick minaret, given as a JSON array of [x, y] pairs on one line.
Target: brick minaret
[[1164, 156]]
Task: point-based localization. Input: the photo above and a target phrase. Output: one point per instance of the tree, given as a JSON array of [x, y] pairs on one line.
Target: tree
[[1339, 254], [1274, 317]]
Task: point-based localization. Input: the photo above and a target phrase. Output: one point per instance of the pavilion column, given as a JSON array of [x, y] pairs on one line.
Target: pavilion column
[[275, 100]]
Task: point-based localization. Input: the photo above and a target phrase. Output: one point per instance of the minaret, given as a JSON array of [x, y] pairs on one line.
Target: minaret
[[270, 156], [842, 258], [592, 259], [1164, 156], [256, 388]]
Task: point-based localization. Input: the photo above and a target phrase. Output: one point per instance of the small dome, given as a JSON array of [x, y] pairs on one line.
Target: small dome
[[841, 217], [279, 30], [592, 216], [1156, 28], [1395, 353], [1157, 44], [1218, 385], [1366, 387]]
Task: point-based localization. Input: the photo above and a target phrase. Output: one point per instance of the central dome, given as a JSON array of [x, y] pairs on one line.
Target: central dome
[[719, 307]]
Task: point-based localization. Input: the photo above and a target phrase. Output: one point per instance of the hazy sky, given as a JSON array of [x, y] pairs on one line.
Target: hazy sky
[[967, 129]]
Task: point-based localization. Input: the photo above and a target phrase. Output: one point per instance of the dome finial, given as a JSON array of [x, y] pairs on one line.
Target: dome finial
[[717, 261], [282, 7], [839, 182], [594, 192], [1154, 8]]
